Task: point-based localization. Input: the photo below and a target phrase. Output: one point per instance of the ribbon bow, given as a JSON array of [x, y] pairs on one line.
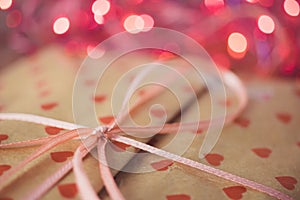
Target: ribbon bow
[[98, 137]]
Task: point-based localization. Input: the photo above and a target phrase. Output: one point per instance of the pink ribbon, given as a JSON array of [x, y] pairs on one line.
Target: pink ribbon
[[98, 137]]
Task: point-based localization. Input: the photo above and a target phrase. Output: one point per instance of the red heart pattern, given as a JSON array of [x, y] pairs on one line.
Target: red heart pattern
[[166, 56], [49, 106], [178, 197], [287, 181], [214, 159], [284, 117], [119, 146], [4, 168], [162, 165], [61, 156], [44, 93], [199, 131], [3, 137], [262, 152], [99, 98], [243, 122], [235, 192], [68, 190], [52, 130], [106, 119]]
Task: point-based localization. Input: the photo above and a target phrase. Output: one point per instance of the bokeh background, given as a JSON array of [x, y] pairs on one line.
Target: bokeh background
[[259, 36]]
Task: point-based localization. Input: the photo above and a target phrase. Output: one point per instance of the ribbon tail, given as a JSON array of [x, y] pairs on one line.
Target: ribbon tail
[[108, 179], [49, 145], [39, 120], [217, 172], [49, 182], [85, 188], [27, 143]]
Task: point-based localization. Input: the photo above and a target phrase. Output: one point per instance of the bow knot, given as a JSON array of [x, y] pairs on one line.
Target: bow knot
[[101, 131]]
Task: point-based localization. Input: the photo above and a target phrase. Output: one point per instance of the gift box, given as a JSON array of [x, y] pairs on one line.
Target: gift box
[[42, 84], [261, 145]]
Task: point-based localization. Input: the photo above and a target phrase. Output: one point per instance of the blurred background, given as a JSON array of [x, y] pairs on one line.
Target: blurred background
[[259, 36]]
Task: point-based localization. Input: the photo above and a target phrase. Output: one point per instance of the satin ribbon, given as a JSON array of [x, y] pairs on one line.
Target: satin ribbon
[[98, 138]]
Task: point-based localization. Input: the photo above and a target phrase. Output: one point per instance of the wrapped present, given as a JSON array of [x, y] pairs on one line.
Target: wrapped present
[[42, 84], [227, 171]]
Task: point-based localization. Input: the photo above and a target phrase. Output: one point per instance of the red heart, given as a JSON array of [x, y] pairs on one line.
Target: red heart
[[68, 190], [3, 137], [287, 181], [49, 106], [162, 165], [284, 117], [61, 156], [99, 98], [199, 131], [52, 130], [44, 93], [262, 152], [106, 119], [119, 146], [166, 56], [214, 159], [235, 192], [4, 168], [178, 197], [158, 112], [243, 122]]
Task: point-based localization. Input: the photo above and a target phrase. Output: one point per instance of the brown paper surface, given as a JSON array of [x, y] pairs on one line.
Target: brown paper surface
[[42, 84], [261, 145]]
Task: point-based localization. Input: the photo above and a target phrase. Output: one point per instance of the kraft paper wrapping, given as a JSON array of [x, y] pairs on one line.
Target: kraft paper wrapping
[[42, 84], [261, 145]]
